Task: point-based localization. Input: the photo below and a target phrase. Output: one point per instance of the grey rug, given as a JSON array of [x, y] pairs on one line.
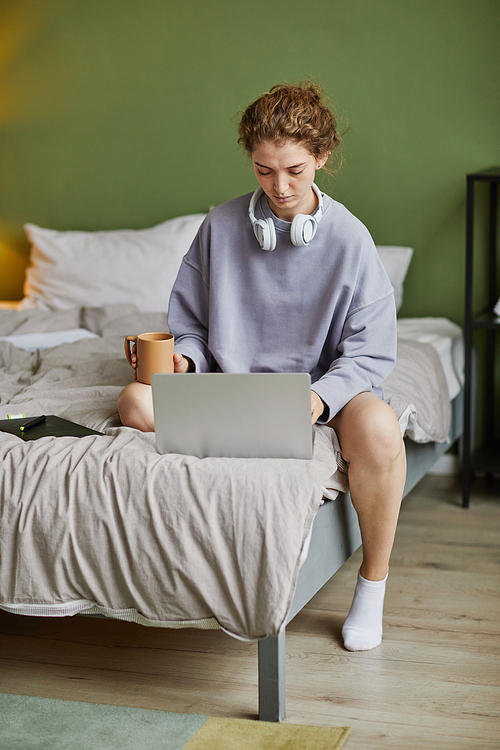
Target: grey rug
[[28, 723]]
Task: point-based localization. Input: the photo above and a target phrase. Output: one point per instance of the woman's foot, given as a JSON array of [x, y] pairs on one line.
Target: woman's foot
[[362, 629]]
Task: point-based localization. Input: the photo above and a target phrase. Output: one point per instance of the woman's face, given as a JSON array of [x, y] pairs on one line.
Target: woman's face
[[286, 173]]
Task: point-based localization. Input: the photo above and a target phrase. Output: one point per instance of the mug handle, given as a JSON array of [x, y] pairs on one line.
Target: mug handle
[[127, 347]]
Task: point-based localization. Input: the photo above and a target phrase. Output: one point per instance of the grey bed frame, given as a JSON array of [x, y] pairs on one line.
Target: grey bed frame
[[335, 536]]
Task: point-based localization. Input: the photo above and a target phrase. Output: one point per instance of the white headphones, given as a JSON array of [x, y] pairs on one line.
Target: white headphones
[[303, 227]]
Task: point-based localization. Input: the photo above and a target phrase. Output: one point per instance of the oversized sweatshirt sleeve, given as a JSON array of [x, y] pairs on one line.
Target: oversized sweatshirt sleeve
[[367, 356], [188, 308], [364, 353]]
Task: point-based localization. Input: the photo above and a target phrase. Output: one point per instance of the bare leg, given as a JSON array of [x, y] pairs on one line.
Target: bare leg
[[135, 402], [135, 407], [371, 443]]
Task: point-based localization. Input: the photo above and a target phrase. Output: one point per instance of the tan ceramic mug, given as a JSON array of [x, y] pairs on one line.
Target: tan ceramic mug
[[155, 353]]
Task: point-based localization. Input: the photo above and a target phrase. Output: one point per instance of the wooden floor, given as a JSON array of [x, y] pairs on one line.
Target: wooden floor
[[433, 683]]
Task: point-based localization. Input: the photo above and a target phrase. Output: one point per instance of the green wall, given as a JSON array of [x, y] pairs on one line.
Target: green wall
[[121, 113]]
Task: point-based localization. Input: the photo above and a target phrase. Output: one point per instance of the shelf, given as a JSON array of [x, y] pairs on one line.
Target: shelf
[[487, 458], [488, 175], [486, 320]]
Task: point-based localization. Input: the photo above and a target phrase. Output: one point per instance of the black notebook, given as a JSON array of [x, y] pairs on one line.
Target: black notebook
[[52, 426]]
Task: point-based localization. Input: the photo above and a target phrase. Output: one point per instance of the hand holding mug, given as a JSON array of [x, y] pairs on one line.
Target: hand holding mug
[[151, 352], [182, 364]]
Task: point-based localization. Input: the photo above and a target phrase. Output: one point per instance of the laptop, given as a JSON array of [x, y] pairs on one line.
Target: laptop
[[237, 415]]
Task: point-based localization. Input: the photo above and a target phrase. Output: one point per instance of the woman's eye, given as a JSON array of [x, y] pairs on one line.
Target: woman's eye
[[266, 174]]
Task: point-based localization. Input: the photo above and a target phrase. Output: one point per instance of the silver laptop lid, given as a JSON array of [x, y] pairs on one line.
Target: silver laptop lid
[[254, 415]]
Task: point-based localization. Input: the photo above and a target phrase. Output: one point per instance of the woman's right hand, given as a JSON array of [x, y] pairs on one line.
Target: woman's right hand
[[182, 364], [133, 359]]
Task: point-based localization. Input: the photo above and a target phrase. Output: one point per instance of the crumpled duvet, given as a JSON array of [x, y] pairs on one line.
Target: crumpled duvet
[[104, 524]]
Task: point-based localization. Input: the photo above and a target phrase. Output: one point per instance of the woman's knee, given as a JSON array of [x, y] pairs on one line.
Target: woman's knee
[[384, 435], [369, 429], [135, 407]]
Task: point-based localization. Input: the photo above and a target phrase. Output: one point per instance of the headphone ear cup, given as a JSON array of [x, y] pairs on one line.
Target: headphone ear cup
[[265, 233], [303, 230]]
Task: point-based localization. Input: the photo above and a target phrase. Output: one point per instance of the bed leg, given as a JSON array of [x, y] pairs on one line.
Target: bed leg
[[272, 678]]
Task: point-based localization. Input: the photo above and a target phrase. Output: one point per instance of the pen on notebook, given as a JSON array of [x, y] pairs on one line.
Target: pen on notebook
[[32, 423]]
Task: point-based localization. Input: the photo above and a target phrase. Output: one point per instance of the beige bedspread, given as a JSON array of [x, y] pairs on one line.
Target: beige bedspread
[[105, 524]]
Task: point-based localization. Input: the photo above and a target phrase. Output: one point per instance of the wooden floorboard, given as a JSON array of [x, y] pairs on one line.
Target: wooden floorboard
[[433, 683]]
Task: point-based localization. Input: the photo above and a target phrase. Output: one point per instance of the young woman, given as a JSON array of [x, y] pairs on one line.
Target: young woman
[[287, 279]]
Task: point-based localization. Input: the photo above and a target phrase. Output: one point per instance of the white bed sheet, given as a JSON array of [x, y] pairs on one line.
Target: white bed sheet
[[30, 342], [446, 338]]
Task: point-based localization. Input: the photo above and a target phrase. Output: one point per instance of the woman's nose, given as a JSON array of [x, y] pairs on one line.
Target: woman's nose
[[280, 184]]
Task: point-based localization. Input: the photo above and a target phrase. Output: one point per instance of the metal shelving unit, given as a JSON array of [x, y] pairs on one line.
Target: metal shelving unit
[[486, 457]]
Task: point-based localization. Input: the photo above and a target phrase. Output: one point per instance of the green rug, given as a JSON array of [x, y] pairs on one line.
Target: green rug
[[28, 723]]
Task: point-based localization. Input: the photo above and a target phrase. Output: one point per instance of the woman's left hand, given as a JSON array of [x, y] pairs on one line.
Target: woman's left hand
[[317, 407]]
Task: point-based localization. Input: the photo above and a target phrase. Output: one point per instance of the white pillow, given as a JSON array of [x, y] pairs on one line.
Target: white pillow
[[396, 261], [74, 268]]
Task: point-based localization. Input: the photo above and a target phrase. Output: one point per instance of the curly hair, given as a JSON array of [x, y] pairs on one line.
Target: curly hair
[[290, 113]]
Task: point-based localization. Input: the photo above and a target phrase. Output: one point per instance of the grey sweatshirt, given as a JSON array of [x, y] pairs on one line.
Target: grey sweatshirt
[[327, 308]]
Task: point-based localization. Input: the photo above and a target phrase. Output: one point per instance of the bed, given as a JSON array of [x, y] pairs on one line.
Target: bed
[[103, 525]]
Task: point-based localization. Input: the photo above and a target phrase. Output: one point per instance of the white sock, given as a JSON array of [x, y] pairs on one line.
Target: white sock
[[362, 629]]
